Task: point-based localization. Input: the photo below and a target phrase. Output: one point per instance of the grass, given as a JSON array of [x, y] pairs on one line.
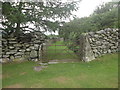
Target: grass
[[101, 73], [59, 52]]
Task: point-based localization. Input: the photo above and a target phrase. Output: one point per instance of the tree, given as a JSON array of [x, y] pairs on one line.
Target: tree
[[105, 16], [43, 15], [105, 7]]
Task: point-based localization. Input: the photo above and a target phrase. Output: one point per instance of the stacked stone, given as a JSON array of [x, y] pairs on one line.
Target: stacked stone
[[12, 49], [103, 41], [0, 46]]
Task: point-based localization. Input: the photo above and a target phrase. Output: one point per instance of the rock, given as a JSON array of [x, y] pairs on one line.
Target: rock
[[95, 50], [5, 56], [21, 50], [91, 33], [38, 42], [43, 64], [18, 56], [113, 47], [39, 68], [28, 49], [4, 40], [12, 58], [93, 39], [52, 62], [35, 60], [36, 46], [109, 51], [12, 42], [90, 40], [12, 39], [108, 29], [32, 47], [33, 53], [100, 32], [96, 35], [96, 55], [17, 45], [19, 53], [11, 52], [8, 53], [98, 42], [26, 45], [11, 47]]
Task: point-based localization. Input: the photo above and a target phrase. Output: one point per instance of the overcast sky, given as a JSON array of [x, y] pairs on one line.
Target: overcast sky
[[86, 7]]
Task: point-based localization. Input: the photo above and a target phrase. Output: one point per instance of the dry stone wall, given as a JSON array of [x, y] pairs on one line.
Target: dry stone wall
[[96, 44], [0, 46], [13, 49]]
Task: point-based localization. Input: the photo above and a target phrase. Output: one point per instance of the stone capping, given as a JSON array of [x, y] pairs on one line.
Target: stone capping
[[96, 44]]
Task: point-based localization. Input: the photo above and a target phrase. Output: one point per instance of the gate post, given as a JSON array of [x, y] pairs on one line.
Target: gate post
[[86, 53], [43, 53]]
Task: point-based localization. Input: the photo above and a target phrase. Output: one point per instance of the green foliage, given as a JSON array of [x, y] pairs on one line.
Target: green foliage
[[43, 15], [105, 7], [105, 16]]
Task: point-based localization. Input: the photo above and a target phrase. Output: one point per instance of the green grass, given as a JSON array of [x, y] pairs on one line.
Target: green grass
[[59, 52], [101, 73]]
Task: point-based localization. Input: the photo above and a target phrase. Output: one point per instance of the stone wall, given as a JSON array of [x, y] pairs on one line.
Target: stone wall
[[96, 44], [1, 58], [13, 49]]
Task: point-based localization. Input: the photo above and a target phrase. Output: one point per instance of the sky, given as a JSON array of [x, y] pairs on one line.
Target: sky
[[86, 7]]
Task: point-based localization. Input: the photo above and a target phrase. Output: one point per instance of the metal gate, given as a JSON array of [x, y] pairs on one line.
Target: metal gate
[[58, 51]]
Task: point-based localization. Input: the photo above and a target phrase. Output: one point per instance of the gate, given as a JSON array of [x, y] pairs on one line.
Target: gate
[[58, 50]]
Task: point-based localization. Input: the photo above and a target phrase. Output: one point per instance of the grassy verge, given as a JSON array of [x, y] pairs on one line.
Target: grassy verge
[[102, 73]]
